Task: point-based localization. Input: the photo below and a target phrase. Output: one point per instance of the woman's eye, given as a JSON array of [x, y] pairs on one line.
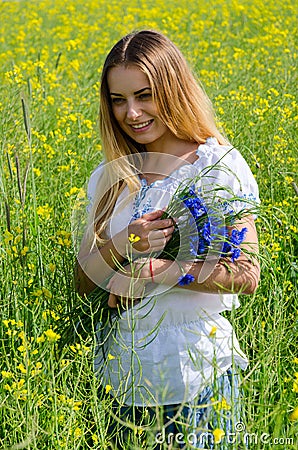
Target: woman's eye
[[146, 96], [117, 100]]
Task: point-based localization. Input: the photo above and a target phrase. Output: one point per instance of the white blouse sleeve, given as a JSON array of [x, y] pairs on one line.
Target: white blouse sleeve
[[92, 184], [226, 177]]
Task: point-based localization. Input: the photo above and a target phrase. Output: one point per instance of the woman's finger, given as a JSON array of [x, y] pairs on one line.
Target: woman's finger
[[161, 224], [113, 301], [160, 235], [153, 215]]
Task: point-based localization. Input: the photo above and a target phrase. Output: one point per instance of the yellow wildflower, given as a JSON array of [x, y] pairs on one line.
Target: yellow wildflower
[[22, 348], [51, 335], [37, 171], [73, 190], [78, 432], [218, 435], [52, 267], [133, 238], [65, 362], [8, 237], [6, 374], [95, 439], [22, 368], [213, 331], [220, 404], [295, 386], [44, 212], [108, 388], [294, 414], [24, 251]]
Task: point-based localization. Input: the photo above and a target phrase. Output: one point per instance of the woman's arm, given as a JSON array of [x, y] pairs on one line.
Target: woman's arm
[[214, 276], [241, 276], [95, 265]]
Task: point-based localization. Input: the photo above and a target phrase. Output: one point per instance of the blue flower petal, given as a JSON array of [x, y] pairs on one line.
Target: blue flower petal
[[185, 279]]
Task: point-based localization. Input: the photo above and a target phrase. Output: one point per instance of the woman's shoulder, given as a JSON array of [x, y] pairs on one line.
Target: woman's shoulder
[[214, 153], [223, 166], [222, 159]]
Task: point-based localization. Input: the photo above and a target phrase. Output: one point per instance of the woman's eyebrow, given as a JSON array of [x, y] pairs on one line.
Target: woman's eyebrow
[[141, 90], [135, 93]]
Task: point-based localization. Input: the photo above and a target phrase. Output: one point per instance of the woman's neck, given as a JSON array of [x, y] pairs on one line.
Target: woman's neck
[[159, 165], [170, 144]]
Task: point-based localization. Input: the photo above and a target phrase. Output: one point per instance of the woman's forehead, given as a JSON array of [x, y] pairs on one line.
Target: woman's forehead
[[126, 79]]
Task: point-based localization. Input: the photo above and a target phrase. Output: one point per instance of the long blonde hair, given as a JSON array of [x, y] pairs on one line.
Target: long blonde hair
[[181, 101]]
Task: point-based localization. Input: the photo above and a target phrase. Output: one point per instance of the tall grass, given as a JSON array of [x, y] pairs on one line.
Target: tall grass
[[51, 55]]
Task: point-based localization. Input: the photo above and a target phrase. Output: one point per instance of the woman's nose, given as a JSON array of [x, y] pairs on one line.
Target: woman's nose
[[133, 111]]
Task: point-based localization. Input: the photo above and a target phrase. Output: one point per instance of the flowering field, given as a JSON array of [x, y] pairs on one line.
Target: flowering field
[[51, 54]]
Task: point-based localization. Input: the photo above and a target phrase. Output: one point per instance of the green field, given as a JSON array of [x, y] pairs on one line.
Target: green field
[[51, 54]]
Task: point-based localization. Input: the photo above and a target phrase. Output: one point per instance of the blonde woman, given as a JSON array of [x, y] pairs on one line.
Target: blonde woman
[[172, 348]]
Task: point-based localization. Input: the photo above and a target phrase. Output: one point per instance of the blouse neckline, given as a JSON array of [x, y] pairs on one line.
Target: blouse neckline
[[210, 141]]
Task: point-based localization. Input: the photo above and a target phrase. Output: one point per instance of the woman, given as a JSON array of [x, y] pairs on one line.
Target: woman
[[171, 346]]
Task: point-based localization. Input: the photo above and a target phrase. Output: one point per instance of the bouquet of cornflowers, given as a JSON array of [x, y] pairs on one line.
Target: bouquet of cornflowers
[[204, 229], [201, 232]]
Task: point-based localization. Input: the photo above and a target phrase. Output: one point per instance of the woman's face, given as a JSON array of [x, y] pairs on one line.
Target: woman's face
[[133, 106]]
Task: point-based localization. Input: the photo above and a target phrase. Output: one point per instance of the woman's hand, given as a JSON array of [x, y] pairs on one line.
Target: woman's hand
[[127, 287], [154, 232]]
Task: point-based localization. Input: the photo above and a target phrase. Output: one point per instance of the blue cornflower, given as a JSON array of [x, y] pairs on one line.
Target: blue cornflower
[[194, 204], [237, 237], [185, 279], [203, 245], [235, 254], [226, 248], [206, 232], [212, 229], [198, 245], [194, 241]]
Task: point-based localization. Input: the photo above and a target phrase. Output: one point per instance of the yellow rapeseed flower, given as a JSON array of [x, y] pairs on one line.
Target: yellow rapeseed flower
[[8, 237], [51, 335], [95, 439], [22, 368], [108, 388], [220, 404], [294, 414], [213, 331], [73, 190], [133, 238], [24, 251], [44, 212], [6, 374], [218, 435], [37, 171], [78, 432]]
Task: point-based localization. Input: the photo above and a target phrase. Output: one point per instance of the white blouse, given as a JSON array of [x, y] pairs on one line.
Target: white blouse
[[168, 347]]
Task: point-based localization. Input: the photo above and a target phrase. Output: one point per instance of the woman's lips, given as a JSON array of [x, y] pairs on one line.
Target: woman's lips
[[142, 126]]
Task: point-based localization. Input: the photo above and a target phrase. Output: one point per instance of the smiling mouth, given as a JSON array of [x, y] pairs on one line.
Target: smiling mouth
[[138, 126]]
